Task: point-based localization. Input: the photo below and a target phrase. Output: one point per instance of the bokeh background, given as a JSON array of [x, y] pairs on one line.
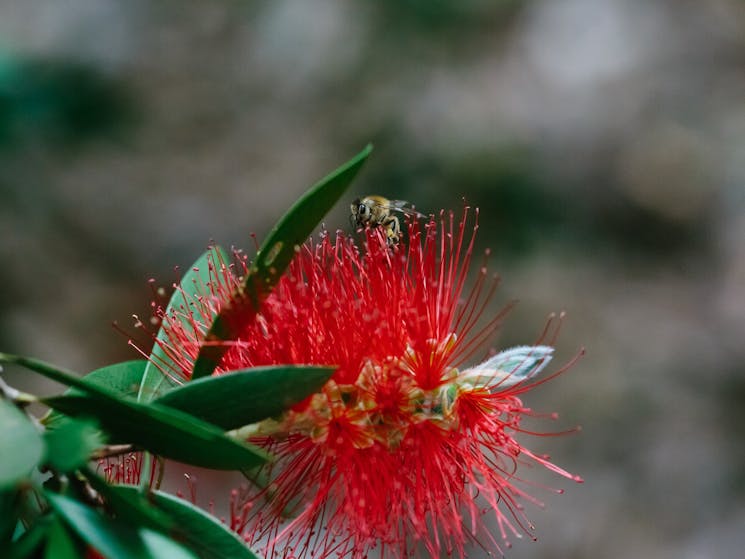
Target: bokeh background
[[603, 140]]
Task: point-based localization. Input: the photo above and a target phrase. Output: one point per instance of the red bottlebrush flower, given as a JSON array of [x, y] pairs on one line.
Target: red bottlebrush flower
[[402, 447], [125, 468]]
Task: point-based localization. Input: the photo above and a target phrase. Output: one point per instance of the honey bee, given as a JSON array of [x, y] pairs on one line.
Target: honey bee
[[374, 211]]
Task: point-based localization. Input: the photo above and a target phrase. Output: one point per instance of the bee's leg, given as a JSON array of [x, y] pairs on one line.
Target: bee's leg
[[394, 230]]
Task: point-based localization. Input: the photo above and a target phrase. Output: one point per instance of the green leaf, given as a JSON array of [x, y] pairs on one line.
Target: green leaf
[[122, 378], [161, 546], [21, 445], [26, 545], [164, 431], [273, 257], [192, 285], [70, 445], [60, 545], [8, 516], [130, 506], [201, 531], [114, 540], [296, 225], [242, 397]]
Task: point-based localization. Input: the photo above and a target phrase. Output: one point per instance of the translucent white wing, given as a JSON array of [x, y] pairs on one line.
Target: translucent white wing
[[509, 367], [404, 207]]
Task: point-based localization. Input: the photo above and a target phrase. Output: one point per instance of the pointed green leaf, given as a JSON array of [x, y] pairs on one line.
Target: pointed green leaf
[[274, 256], [60, 545], [8, 516], [164, 431], [27, 544], [241, 397], [58, 374], [70, 445], [161, 546], [122, 378], [298, 223], [21, 445], [114, 540], [202, 532], [131, 506], [192, 286]]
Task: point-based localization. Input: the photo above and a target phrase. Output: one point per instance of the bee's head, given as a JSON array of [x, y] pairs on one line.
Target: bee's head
[[355, 217], [360, 211]]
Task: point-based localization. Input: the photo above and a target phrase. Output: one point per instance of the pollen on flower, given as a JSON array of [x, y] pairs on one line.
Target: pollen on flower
[[404, 447]]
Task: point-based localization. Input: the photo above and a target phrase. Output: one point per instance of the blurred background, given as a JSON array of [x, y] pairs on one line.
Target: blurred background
[[603, 140]]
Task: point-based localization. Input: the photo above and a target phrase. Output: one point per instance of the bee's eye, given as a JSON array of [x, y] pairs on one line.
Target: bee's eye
[[362, 209]]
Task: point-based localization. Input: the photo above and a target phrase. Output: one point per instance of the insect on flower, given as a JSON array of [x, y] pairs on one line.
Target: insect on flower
[[405, 447], [374, 211]]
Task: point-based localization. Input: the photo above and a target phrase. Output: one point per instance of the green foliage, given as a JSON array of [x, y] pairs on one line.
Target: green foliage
[[71, 444], [8, 522], [133, 405], [21, 445], [115, 540], [192, 285], [163, 431], [28, 542], [204, 533], [132, 506], [275, 255], [120, 378], [60, 543], [247, 396]]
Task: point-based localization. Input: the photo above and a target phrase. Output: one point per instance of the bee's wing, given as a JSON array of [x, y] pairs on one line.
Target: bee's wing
[[404, 207]]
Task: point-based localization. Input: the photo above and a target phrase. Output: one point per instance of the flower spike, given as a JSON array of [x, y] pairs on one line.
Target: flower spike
[[401, 449]]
